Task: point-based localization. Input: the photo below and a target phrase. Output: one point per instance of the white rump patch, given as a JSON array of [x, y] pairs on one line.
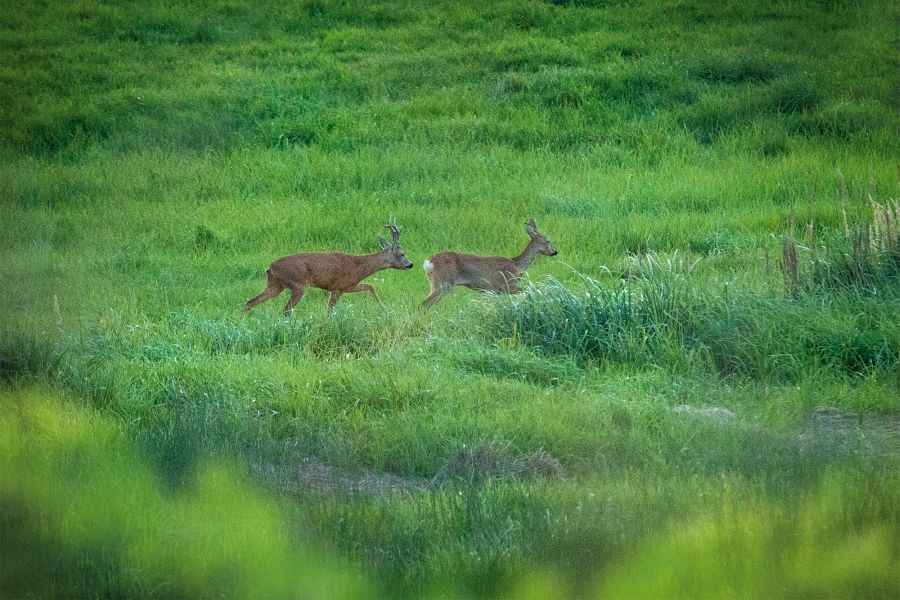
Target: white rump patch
[[427, 265]]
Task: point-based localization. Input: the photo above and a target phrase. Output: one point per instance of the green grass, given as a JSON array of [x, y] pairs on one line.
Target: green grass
[[659, 318], [154, 159], [86, 517]]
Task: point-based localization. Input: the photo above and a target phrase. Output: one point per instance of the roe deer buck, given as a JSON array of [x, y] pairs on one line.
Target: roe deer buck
[[485, 273], [333, 272]]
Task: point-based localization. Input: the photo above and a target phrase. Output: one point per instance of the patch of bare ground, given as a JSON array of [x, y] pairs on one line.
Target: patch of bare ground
[[837, 432], [835, 418], [496, 460], [302, 476], [492, 460], [717, 414]]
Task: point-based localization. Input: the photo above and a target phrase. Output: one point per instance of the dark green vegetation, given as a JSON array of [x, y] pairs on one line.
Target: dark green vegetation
[[720, 180]]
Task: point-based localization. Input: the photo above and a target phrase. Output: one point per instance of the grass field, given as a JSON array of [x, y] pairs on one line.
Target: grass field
[[698, 397]]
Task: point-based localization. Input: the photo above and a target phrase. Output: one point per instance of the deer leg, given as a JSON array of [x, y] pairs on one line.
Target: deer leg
[[437, 291], [332, 299], [296, 294], [272, 290], [509, 284], [365, 287], [431, 299]]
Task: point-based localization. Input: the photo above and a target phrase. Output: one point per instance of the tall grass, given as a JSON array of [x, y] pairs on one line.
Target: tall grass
[[155, 158], [658, 318], [861, 256]]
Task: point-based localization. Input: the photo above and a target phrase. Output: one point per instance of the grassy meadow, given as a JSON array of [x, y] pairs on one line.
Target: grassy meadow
[[698, 397]]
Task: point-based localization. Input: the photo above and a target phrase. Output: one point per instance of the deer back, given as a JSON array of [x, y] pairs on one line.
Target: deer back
[[326, 270], [473, 271]]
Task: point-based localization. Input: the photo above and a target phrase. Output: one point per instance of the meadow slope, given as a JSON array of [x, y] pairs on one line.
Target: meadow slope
[[699, 396]]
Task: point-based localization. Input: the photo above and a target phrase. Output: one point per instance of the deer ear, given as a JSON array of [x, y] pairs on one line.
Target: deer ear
[[383, 242], [531, 227]]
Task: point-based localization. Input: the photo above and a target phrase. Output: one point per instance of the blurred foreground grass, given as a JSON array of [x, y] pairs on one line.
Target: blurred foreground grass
[[83, 516]]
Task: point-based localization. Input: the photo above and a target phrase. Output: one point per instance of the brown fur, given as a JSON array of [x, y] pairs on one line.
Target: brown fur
[[331, 271], [484, 273]]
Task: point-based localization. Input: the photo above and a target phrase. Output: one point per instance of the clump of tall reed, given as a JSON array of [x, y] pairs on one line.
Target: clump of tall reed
[[862, 255], [633, 321], [659, 316]]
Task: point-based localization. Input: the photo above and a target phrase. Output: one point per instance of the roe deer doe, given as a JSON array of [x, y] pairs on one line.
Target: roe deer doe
[[485, 273], [333, 272]]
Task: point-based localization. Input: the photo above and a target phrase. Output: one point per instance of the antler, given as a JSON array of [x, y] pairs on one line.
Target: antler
[[395, 230]]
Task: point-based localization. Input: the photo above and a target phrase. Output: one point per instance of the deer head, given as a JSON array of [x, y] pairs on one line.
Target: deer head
[[393, 251], [541, 243]]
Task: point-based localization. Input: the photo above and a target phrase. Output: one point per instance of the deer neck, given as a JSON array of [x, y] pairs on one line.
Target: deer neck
[[524, 260], [370, 263]]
